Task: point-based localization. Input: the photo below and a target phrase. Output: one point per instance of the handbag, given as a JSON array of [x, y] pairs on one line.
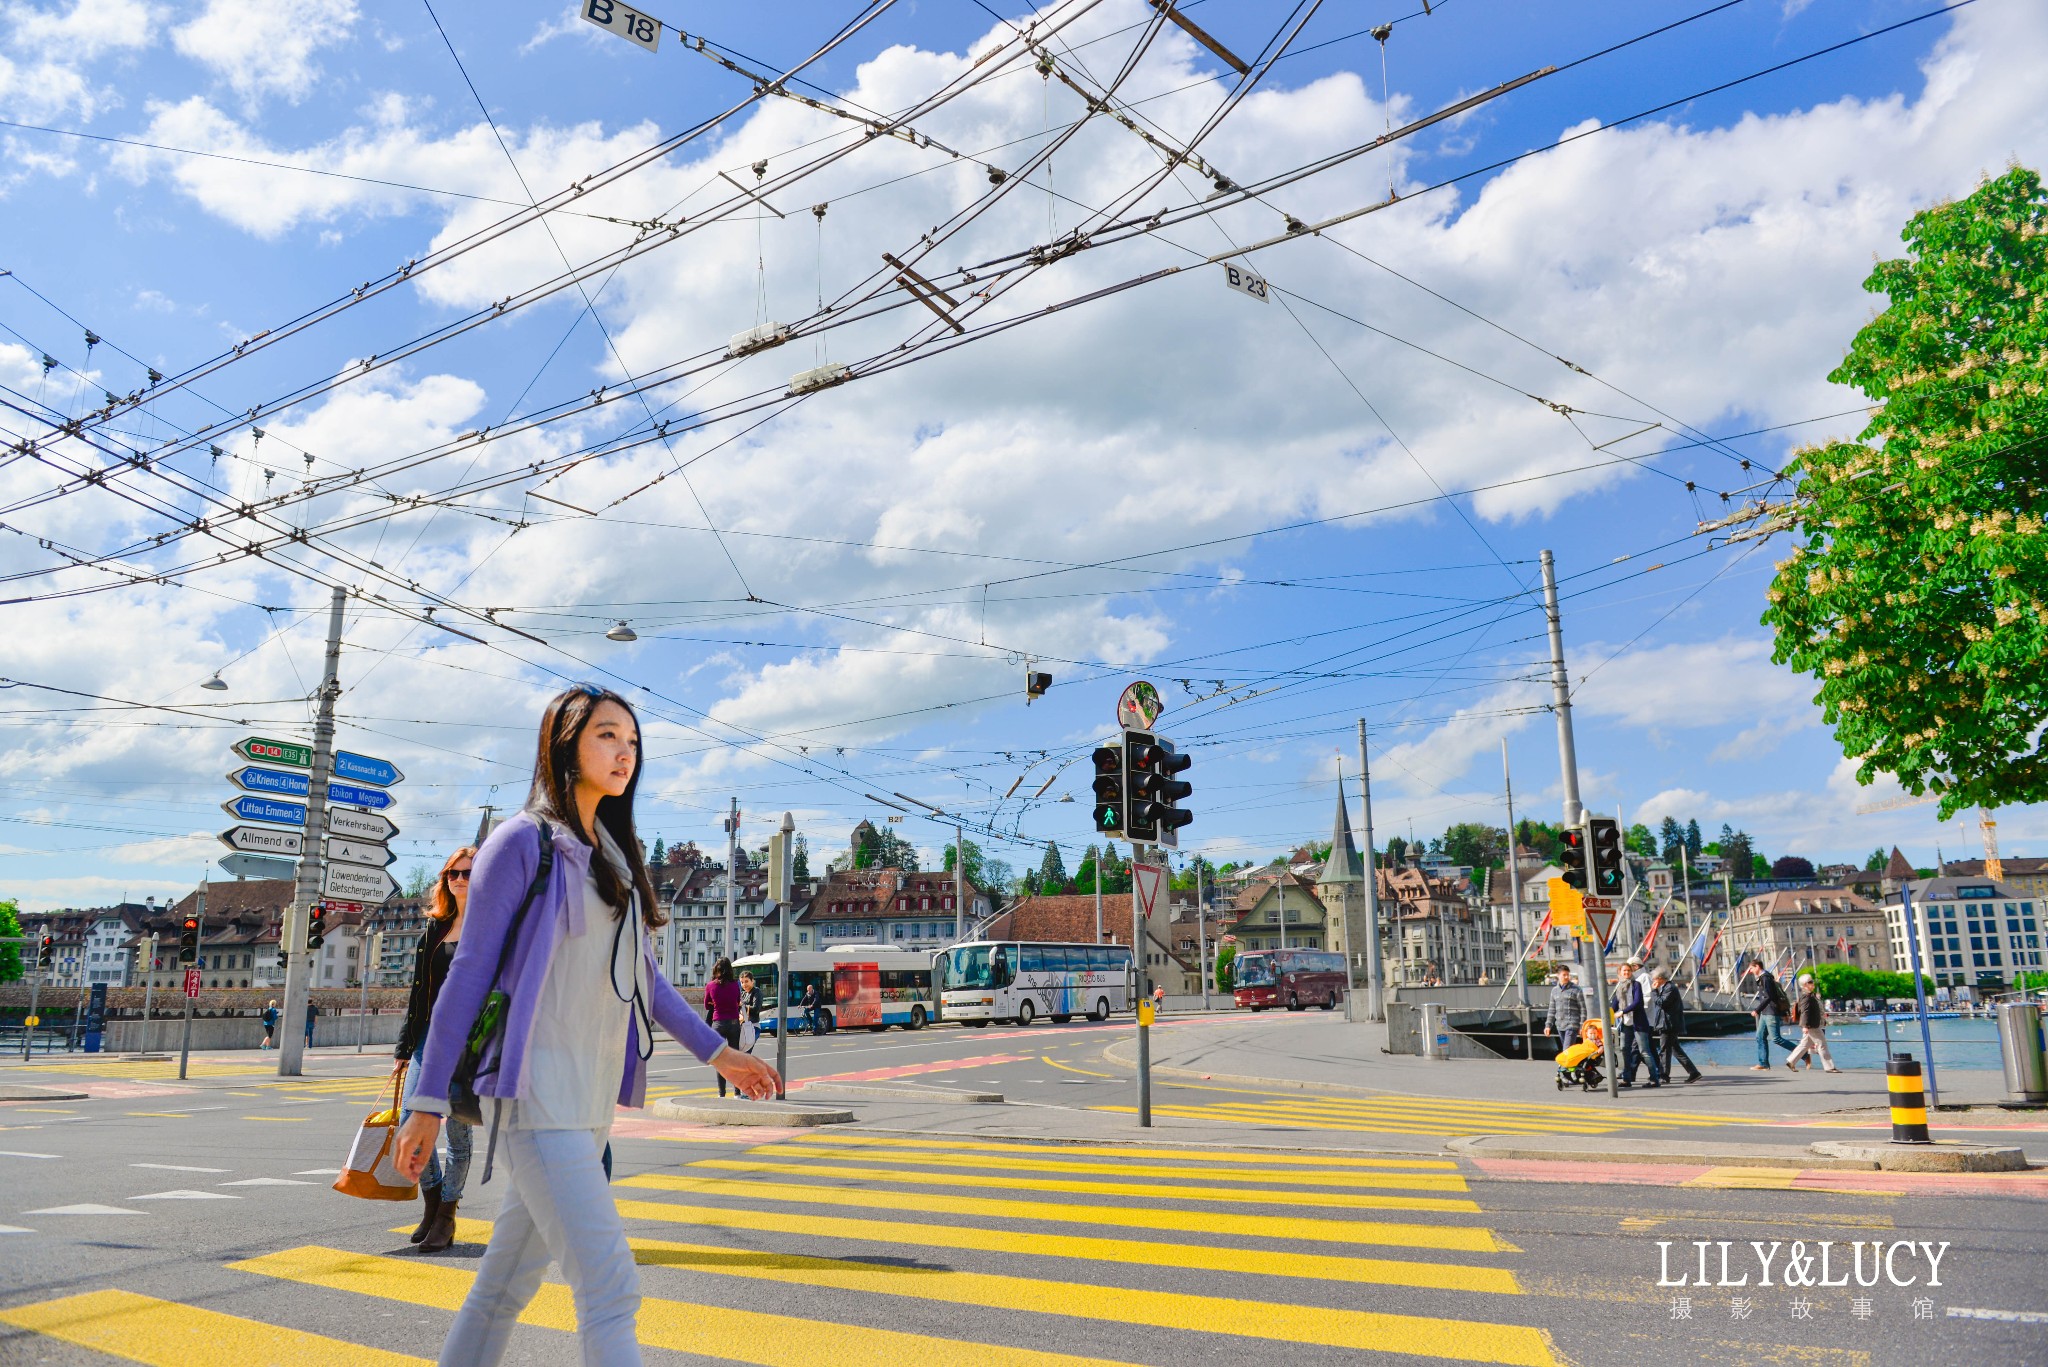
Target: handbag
[[370, 1171], [486, 1033]]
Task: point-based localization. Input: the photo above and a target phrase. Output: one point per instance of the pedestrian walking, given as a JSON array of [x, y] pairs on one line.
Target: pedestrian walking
[[722, 999], [1666, 1007], [1768, 1005], [311, 1011], [1812, 1019], [751, 994], [1632, 1018], [814, 1019], [577, 1000], [442, 1184], [1567, 1010], [270, 1025]]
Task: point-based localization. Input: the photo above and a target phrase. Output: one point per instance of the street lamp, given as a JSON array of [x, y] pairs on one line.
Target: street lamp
[[216, 684], [622, 632]]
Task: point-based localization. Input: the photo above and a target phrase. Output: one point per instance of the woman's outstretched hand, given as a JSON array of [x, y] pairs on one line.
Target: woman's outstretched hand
[[415, 1144], [753, 1077]]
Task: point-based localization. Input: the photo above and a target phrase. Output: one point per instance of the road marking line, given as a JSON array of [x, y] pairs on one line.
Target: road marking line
[[1400, 1181], [177, 1167], [1070, 1068], [1464, 1238], [268, 1182], [1134, 1252], [166, 1334], [1131, 1151], [280, 1119], [1743, 1179], [709, 1331], [42, 1110], [319, 1172], [1957, 1312], [14, 1229], [186, 1194], [1239, 1196], [18, 1153], [86, 1208], [164, 1115]]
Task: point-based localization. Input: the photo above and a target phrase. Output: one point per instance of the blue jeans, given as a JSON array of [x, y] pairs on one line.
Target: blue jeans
[[1637, 1045], [450, 1178], [1767, 1026], [556, 1209]]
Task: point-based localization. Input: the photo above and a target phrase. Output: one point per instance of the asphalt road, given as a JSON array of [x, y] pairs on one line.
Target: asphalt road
[[194, 1226]]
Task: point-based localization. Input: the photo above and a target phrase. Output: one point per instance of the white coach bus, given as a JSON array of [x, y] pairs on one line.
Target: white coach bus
[[1011, 981], [856, 985]]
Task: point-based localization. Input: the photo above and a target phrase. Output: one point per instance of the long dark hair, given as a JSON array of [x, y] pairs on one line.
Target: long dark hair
[[444, 900], [554, 795], [721, 972]]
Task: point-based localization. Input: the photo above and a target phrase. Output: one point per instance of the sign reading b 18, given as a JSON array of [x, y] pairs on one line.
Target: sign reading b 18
[[628, 23]]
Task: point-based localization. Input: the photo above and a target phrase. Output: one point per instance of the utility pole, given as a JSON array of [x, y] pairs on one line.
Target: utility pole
[[199, 965], [1140, 961], [148, 989], [32, 948], [1202, 934], [959, 884], [298, 972], [786, 878], [1375, 986], [732, 874], [1521, 968], [1101, 860], [1593, 966]]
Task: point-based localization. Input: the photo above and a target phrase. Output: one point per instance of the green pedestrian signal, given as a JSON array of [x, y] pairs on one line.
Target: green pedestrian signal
[[1108, 786]]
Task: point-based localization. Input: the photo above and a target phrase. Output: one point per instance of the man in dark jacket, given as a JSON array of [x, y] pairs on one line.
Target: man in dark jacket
[[1567, 1010], [1632, 1019], [1767, 1003], [1667, 1020]]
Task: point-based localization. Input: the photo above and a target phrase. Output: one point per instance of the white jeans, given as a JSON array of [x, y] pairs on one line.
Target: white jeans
[[1812, 1042], [557, 1208]]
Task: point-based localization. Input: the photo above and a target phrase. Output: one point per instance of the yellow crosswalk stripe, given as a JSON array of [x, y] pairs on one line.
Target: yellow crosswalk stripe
[[1257, 1156], [166, 1334], [1134, 1252], [1400, 1181], [1774, 1179], [1394, 1124], [1233, 1195], [1461, 1238], [709, 1331]]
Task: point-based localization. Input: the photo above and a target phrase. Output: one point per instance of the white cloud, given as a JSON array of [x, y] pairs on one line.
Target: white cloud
[[265, 48]]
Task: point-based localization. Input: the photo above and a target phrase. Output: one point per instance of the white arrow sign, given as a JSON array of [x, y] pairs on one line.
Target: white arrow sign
[[355, 825], [263, 840], [359, 852], [358, 884]]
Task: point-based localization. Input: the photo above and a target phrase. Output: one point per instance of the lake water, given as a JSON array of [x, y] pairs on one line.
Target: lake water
[[1860, 1044]]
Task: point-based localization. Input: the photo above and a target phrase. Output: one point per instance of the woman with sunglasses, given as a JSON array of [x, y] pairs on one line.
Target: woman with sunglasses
[[441, 1185], [583, 994]]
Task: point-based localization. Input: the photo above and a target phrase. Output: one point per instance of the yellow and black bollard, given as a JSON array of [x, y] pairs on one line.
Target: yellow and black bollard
[[1908, 1098]]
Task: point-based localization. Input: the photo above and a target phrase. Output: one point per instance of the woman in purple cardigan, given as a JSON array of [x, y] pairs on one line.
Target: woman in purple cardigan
[[584, 991]]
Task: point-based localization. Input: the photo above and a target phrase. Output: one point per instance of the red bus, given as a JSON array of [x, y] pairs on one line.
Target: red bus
[[1294, 978]]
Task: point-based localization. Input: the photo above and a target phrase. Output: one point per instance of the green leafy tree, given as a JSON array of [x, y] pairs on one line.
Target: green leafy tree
[[1052, 871], [977, 866], [659, 856], [1397, 849], [800, 861], [1843, 982], [10, 955], [1226, 967], [1671, 836], [419, 880], [1639, 840], [2029, 981], [1476, 845], [1738, 852], [1692, 840], [1876, 860], [1915, 597], [1184, 879], [1085, 873]]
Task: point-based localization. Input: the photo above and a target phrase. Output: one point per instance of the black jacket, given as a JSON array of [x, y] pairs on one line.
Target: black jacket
[[419, 1007], [1766, 995], [1667, 1009]]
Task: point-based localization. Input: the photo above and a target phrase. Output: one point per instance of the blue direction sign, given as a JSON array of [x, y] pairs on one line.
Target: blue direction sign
[[254, 780], [254, 808], [348, 794], [363, 769]]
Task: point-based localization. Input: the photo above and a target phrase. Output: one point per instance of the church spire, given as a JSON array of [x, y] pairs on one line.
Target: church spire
[[1343, 864]]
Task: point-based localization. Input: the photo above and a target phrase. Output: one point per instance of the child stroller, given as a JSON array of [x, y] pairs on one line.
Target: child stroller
[[1579, 1064]]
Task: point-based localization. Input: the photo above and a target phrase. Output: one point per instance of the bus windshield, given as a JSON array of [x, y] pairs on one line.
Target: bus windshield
[[968, 966], [1254, 970]]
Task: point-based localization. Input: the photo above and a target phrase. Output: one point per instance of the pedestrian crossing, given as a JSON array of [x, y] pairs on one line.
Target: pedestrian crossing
[[1424, 1115], [866, 1250]]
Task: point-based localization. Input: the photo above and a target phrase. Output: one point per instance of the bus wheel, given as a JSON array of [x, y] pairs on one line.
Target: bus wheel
[[825, 1023], [1101, 1011], [1331, 1004], [1061, 1020], [1024, 1014], [1293, 1002], [917, 1018], [878, 1029]]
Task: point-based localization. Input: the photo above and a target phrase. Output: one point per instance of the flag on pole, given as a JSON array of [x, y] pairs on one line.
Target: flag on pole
[[1716, 944], [1650, 939]]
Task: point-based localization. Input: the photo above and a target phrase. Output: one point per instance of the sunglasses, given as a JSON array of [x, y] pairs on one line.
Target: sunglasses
[[454, 874]]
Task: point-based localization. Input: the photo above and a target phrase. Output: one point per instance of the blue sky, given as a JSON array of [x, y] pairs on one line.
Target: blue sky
[[1287, 514]]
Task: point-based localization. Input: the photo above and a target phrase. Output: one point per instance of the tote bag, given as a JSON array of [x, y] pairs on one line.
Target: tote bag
[[371, 1172]]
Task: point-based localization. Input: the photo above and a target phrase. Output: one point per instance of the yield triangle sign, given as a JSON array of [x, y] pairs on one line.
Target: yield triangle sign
[[1147, 879], [1599, 923]]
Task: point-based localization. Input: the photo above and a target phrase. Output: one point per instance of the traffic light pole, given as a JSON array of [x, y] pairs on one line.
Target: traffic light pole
[[783, 868], [312, 863], [35, 982], [1144, 1004], [185, 1048]]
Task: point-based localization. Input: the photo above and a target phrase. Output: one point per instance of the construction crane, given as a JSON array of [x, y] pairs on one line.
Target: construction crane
[[1994, 867]]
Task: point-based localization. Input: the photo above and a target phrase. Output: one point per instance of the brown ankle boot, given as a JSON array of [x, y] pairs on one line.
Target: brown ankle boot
[[432, 1196], [442, 1232]]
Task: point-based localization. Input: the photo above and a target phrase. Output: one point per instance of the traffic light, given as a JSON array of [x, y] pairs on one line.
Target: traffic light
[[316, 926], [1604, 834], [44, 947], [1168, 792], [1141, 776], [188, 941], [1108, 785], [1571, 856]]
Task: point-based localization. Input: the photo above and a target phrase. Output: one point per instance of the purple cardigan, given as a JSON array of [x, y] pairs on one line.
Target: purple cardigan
[[504, 868]]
